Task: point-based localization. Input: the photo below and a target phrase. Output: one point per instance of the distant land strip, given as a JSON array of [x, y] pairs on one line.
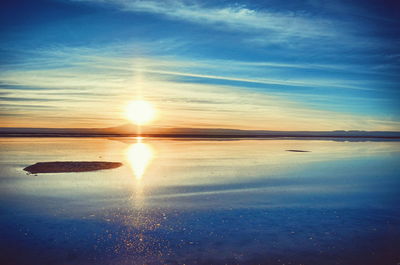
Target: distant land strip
[[324, 136], [128, 130]]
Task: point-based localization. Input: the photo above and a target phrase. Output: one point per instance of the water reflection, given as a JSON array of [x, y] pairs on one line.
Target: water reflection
[[140, 224], [201, 202], [139, 156]]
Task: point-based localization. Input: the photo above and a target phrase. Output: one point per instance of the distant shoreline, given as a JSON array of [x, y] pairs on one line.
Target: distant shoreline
[[260, 136]]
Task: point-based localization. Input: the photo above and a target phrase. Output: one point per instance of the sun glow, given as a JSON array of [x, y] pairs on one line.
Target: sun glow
[[139, 156], [140, 112]]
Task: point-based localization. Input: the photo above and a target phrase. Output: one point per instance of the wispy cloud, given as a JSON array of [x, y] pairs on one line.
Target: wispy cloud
[[5, 99], [280, 26]]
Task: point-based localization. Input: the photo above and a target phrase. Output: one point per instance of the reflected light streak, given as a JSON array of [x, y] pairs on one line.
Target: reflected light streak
[[139, 156]]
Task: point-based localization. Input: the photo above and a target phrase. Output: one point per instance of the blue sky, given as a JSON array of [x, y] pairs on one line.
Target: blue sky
[[279, 65]]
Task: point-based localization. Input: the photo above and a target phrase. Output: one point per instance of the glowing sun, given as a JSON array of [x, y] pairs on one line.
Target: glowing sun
[[140, 112]]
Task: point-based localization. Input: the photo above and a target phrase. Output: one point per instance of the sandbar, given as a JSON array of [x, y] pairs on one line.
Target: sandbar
[[70, 166]]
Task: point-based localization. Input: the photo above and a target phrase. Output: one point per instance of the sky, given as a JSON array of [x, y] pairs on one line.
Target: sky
[[271, 65]]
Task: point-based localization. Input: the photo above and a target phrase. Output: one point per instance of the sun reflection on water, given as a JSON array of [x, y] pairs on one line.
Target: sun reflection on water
[[139, 156], [141, 223]]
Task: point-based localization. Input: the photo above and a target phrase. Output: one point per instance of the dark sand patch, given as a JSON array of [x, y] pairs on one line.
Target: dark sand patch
[[299, 151], [70, 166]]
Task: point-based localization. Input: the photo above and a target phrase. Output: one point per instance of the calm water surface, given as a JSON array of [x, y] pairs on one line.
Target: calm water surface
[[201, 202]]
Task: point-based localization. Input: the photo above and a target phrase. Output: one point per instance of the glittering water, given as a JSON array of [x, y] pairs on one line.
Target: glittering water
[[201, 202]]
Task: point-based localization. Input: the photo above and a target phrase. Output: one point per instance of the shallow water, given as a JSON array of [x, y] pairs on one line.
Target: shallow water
[[201, 202]]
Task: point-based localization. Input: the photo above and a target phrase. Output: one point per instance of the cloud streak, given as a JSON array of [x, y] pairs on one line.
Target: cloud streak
[[279, 26]]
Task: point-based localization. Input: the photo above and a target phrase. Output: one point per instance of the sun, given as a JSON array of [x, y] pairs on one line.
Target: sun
[[140, 112]]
